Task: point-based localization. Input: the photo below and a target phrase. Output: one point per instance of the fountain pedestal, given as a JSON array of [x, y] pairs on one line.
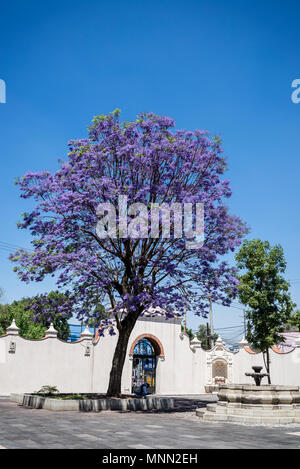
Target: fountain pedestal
[[257, 375], [250, 404]]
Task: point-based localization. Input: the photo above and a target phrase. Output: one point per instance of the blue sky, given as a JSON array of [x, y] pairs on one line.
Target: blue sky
[[222, 66]]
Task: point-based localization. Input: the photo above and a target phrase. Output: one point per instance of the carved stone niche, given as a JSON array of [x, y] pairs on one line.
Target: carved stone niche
[[218, 364], [12, 347]]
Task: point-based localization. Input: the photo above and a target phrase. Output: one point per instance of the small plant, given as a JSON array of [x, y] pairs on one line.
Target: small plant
[[48, 390], [74, 396]]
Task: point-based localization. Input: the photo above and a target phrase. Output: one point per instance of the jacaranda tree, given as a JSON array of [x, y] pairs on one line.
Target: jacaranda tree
[[146, 162]]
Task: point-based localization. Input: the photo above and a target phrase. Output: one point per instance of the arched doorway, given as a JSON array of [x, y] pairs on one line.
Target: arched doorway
[[144, 365]]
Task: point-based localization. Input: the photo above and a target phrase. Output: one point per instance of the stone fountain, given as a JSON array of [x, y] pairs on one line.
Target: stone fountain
[[257, 375], [254, 404]]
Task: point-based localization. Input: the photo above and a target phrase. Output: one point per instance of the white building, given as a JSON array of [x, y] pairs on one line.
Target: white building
[[158, 352]]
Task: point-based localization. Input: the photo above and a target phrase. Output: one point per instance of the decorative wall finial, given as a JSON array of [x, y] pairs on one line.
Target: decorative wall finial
[[51, 332], [13, 329], [86, 334], [243, 343]]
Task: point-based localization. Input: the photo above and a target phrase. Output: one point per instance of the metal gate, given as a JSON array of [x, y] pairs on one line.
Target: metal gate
[[144, 366]]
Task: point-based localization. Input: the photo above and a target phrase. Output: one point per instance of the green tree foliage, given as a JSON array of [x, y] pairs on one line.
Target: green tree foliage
[[188, 332], [22, 312], [204, 336], [264, 291], [24, 320], [294, 321]]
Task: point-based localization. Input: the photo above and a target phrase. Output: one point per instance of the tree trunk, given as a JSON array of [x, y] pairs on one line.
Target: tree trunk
[[125, 329], [267, 364]]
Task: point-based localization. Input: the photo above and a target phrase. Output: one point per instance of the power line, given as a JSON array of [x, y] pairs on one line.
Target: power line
[[10, 244], [12, 247], [236, 307], [231, 327], [232, 338]]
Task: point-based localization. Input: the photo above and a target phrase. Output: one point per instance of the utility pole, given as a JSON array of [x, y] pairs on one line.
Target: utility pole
[[211, 324], [208, 338], [184, 324]]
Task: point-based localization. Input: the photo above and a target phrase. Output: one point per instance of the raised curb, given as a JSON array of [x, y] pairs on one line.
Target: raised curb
[[93, 405]]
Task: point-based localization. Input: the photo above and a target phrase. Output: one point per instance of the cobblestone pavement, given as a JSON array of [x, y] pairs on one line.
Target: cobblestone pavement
[[22, 427]]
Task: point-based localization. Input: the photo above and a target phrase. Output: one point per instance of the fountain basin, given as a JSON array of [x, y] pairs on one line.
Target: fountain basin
[[264, 394], [250, 404]]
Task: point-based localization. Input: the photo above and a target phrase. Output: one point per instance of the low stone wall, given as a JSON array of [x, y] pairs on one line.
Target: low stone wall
[[93, 405]]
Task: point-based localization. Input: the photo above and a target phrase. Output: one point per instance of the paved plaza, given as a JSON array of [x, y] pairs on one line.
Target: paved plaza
[[22, 427]]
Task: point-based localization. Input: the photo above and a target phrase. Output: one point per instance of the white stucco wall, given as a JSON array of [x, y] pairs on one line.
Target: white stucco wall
[[284, 367], [39, 362], [184, 369], [175, 372]]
